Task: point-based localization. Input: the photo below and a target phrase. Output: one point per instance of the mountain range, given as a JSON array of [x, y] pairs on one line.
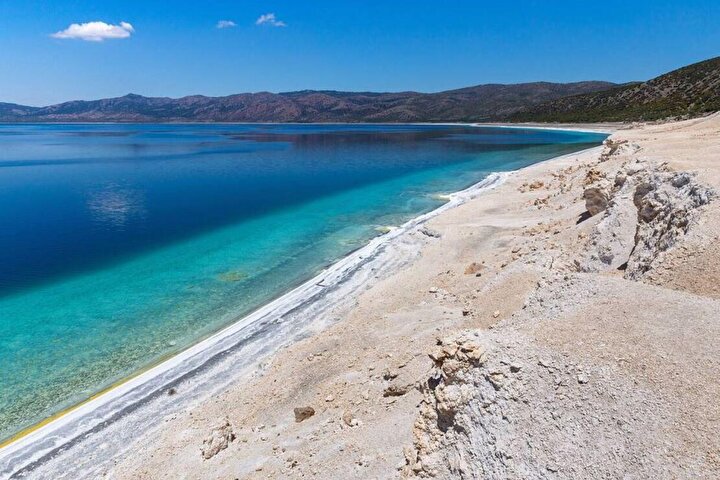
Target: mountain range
[[688, 91], [483, 102]]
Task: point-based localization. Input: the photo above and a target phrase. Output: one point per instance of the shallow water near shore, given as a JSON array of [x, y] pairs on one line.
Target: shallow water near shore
[[123, 244]]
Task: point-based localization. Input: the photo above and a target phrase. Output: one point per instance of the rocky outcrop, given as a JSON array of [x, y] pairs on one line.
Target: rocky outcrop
[[448, 390], [613, 238], [649, 208], [667, 205], [523, 405]]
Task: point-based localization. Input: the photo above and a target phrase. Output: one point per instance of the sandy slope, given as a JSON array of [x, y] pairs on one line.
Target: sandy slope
[[539, 370]]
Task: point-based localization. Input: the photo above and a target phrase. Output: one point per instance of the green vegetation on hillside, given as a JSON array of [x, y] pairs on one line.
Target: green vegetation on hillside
[[687, 92]]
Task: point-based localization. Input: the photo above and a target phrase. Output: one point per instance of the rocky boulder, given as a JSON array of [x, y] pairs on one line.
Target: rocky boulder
[[596, 200], [218, 440], [303, 413]]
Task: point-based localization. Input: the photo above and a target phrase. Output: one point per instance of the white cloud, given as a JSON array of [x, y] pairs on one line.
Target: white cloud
[[271, 20], [95, 31], [226, 24]]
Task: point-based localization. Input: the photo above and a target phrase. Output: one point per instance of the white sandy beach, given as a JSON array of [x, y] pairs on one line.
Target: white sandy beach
[[499, 337]]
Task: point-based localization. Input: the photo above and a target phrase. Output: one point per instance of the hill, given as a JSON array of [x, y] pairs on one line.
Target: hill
[[686, 92]]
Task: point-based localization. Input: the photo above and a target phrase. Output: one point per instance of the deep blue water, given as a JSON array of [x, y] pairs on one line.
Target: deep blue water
[[121, 244]]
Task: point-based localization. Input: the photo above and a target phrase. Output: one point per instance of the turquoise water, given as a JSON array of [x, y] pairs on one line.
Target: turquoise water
[[123, 244]]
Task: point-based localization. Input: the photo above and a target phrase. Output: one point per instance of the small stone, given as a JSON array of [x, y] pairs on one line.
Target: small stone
[[515, 367], [350, 420], [430, 233], [329, 398], [396, 390], [496, 379], [473, 269], [582, 378], [437, 354], [544, 362], [476, 355], [389, 375], [496, 313], [303, 413], [292, 459], [536, 185]]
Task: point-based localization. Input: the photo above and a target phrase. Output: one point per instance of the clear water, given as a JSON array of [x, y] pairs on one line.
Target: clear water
[[123, 244]]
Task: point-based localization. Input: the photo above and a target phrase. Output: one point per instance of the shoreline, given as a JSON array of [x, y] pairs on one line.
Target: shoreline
[[608, 129], [19, 452]]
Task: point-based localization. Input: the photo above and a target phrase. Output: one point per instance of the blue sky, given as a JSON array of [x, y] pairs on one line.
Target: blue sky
[[174, 48]]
